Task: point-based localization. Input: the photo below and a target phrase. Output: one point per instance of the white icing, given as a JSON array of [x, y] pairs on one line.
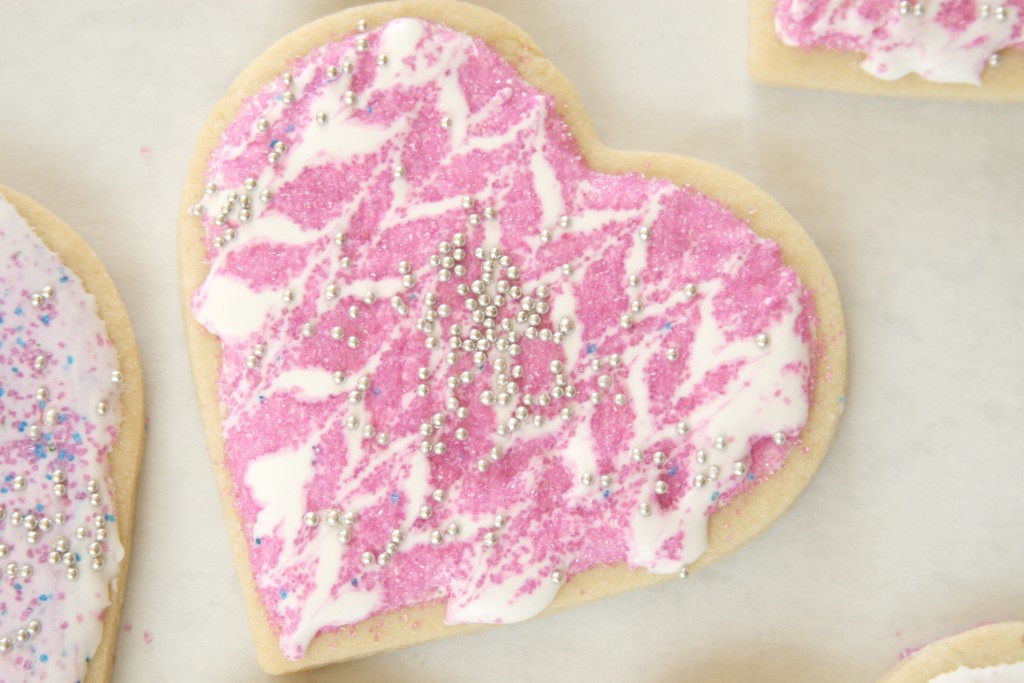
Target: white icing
[[68, 330], [998, 673]]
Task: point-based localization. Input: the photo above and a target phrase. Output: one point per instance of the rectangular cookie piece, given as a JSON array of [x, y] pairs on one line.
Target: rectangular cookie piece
[[941, 49]]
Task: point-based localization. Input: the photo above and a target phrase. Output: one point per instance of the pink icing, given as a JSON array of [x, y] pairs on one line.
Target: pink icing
[[946, 41], [446, 118]]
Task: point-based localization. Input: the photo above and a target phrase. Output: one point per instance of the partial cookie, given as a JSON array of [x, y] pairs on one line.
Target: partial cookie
[[71, 436], [459, 363], [943, 49], [987, 654]]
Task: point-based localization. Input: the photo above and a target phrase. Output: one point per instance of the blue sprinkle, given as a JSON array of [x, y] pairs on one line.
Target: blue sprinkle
[[43, 659], [20, 342], [395, 497], [607, 493], [668, 325], [263, 399], [591, 348], [290, 128], [259, 540], [44, 597], [354, 581], [17, 311], [76, 437], [284, 594], [63, 278], [750, 476], [369, 110], [39, 507], [2, 392], [842, 400], [110, 517], [71, 360], [414, 296], [272, 143], [4, 490], [22, 426], [376, 391], [714, 496], [17, 587], [46, 321], [672, 471]]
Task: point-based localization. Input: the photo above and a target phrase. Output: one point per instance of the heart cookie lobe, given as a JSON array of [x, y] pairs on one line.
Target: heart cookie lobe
[[458, 364], [69, 448]]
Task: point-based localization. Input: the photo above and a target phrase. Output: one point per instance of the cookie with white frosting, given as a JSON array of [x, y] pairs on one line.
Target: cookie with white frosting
[[71, 435], [461, 364], [943, 49], [986, 654]]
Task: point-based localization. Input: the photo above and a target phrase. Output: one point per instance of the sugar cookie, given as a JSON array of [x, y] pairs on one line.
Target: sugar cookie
[[946, 49], [459, 363], [71, 435], [987, 654]]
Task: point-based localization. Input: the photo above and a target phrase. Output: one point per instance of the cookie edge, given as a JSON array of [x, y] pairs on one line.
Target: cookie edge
[[984, 646]]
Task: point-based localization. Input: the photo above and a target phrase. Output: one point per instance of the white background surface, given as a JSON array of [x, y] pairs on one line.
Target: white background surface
[[911, 530]]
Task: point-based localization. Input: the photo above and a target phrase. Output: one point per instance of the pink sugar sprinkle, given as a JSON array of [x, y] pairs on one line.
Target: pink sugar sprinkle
[[145, 150], [147, 637]]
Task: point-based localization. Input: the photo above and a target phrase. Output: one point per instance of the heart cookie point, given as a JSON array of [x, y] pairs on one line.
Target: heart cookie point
[[475, 339]]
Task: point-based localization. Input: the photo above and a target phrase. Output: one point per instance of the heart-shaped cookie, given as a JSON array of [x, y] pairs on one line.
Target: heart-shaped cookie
[[458, 363], [992, 653], [71, 435]]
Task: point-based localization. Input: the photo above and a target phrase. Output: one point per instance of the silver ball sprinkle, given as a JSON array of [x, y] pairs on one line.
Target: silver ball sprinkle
[[779, 438], [321, 118], [661, 486], [762, 341], [557, 577], [644, 509], [739, 468]]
